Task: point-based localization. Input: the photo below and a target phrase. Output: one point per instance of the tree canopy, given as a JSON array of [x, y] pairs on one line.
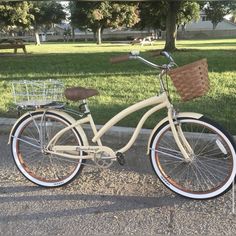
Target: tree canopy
[[189, 11], [96, 16], [100, 15], [15, 14], [45, 15], [152, 15], [216, 10], [37, 14], [167, 15]]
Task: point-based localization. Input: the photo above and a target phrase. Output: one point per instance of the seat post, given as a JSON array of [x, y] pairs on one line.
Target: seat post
[[84, 107]]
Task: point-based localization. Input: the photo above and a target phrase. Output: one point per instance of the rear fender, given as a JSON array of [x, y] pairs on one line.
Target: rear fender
[[59, 113]]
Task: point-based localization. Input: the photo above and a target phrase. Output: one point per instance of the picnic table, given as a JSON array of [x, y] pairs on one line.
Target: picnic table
[[143, 40], [13, 44]]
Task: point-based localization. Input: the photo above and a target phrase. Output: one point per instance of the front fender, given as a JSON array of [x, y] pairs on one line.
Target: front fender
[[57, 112], [179, 115]]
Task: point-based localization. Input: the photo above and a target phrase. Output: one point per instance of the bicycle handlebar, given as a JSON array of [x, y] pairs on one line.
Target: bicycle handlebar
[[135, 55], [167, 55], [119, 58]]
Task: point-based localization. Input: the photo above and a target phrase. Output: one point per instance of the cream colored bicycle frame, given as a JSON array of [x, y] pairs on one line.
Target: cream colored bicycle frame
[[160, 102]]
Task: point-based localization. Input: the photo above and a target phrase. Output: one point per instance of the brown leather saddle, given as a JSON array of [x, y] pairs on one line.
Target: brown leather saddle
[[79, 93]]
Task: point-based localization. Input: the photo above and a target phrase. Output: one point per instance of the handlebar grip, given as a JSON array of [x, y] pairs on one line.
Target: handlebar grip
[[167, 55], [119, 59]]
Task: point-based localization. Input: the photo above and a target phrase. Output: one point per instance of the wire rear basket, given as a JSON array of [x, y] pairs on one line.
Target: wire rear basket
[[36, 92], [191, 80]]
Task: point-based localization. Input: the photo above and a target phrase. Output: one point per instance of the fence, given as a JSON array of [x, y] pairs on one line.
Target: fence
[[204, 34], [119, 35]]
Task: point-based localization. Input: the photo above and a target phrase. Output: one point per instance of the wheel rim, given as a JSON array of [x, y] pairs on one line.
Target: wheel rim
[[40, 168], [211, 170]]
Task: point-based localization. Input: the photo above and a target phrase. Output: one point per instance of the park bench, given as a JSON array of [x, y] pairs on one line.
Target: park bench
[[13, 44]]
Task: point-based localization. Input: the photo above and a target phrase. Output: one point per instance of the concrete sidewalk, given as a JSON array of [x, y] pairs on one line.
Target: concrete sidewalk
[[116, 131], [114, 201], [121, 200]]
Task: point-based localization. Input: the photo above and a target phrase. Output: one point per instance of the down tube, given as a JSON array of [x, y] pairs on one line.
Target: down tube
[[139, 126], [138, 106]]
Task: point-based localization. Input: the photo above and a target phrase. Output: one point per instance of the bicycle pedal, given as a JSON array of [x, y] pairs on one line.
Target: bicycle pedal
[[120, 158]]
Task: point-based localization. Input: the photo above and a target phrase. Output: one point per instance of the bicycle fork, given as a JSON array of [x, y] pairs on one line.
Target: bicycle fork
[[179, 137]]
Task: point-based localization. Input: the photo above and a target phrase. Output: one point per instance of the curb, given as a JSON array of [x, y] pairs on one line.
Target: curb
[[120, 134], [116, 137], [6, 124]]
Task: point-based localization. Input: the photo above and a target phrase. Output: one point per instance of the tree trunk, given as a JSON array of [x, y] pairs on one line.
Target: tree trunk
[[86, 35], [214, 25], [171, 25], [73, 33], [37, 39], [99, 35]]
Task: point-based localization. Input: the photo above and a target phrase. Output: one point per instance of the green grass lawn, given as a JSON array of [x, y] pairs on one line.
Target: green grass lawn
[[120, 85]]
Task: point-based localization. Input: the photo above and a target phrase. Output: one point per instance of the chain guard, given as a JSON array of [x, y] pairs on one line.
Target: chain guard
[[103, 160]]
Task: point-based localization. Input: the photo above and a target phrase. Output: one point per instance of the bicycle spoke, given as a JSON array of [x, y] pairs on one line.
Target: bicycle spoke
[[39, 166], [171, 155], [208, 169]]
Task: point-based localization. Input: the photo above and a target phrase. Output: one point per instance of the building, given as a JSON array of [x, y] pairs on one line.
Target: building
[[204, 24], [203, 28]]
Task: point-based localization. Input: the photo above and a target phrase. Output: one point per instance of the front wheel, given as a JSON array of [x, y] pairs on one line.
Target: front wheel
[[212, 167], [31, 135]]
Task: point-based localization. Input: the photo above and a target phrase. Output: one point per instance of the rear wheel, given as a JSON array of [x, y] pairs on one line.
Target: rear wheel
[[30, 136], [212, 167]]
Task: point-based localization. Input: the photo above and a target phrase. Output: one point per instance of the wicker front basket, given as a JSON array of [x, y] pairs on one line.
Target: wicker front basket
[[191, 80]]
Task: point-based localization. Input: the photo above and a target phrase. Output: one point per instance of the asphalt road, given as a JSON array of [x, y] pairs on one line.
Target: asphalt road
[[127, 200]]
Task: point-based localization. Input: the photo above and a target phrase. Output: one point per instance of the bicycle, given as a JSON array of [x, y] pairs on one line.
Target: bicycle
[[191, 154]]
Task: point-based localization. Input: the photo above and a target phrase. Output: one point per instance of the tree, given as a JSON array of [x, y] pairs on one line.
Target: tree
[[152, 16], [178, 12], [14, 14], [100, 15], [233, 17], [171, 25], [190, 11], [215, 11], [168, 15], [45, 15]]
